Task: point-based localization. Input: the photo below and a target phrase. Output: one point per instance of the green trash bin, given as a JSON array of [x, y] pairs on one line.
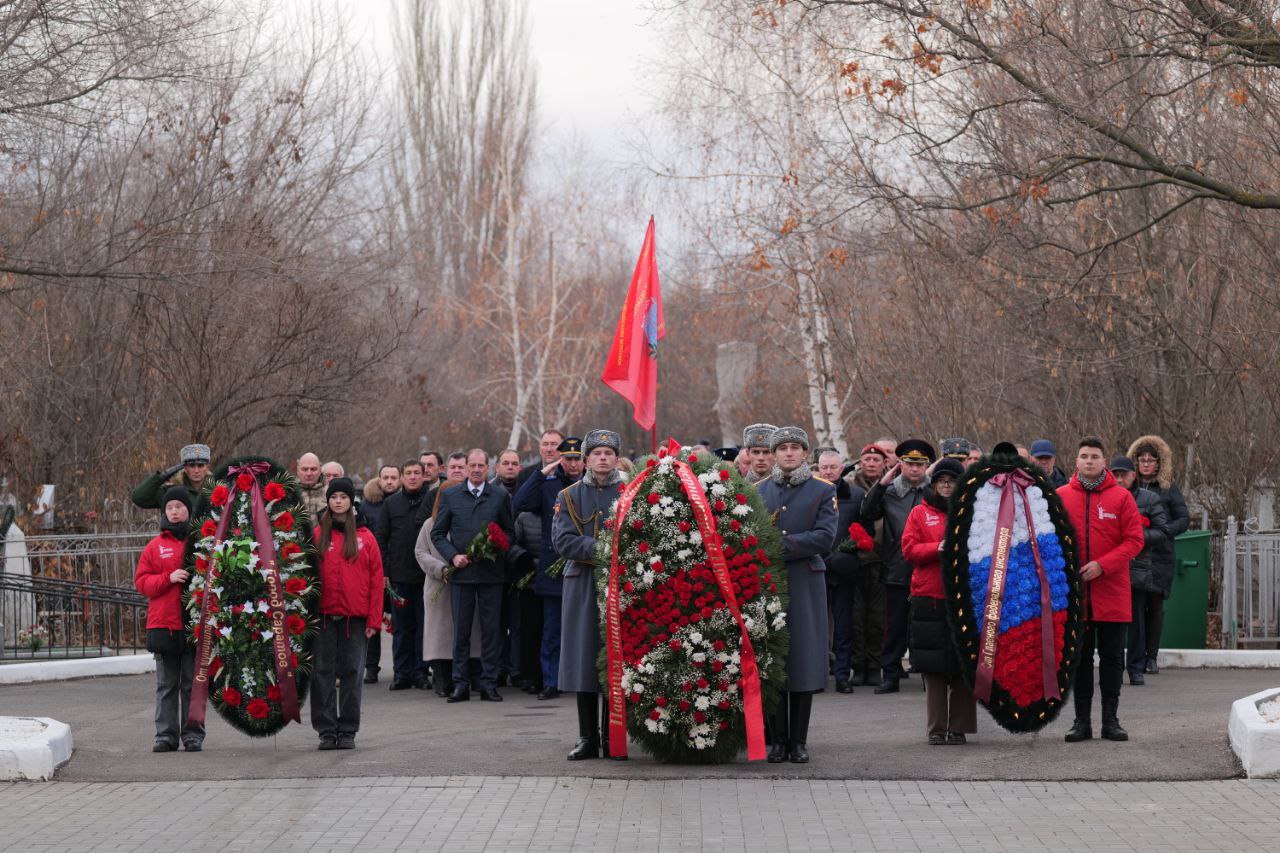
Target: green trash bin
[[1186, 612]]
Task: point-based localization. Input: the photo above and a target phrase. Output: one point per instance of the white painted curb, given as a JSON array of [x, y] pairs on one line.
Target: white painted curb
[[1253, 739], [31, 748], [59, 670], [1219, 658]]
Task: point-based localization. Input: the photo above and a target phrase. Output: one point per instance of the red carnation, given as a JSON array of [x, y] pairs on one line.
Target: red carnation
[[686, 686], [658, 567], [295, 586], [284, 521], [208, 528], [218, 497], [703, 683], [735, 525], [719, 506], [724, 725], [296, 623], [716, 665], [650, 462], [643, 547], [661, 701], [684, 705], [740, 498], [637, 525], [273, 492], [724, 474], [653, 497], [273, 693], [628, 587], [685, 526], [718, 645], [675, 645], [231, 696], [258, 708], [655, 714], [699, 717], [244, 482]]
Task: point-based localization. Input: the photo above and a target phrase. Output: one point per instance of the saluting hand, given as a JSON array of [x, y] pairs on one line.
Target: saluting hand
[[548, 470], [891, 474]]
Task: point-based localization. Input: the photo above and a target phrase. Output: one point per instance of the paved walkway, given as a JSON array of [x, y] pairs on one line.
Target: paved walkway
[[1177, 722], [550, 814]]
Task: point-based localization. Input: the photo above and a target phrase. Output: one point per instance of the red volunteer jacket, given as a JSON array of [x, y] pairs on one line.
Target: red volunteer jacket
[[924, 530], [1108, 530], [159, 559], [351, 587]]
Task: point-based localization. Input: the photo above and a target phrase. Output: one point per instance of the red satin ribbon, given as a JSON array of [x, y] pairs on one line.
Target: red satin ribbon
[[750, 681], [1013, 486], [282, 652]]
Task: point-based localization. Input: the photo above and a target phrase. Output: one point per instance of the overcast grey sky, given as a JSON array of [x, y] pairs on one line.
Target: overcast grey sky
[[590, 56]]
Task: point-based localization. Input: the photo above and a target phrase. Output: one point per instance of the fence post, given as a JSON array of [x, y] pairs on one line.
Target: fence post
[[1229, 584]]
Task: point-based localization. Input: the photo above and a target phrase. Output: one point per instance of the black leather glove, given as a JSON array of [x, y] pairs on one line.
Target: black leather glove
[[169, 472]]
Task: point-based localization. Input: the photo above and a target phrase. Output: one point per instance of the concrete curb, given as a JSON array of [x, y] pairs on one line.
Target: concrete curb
[[31, 748], [1253, 739], [1219, 659], [61, 670]]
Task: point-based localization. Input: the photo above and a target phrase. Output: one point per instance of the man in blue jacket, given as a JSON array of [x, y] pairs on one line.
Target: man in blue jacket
[[465, 512], [538, 497]]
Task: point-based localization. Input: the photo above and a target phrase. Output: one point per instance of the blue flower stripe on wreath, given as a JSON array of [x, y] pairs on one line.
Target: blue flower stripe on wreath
[[1021, 601]]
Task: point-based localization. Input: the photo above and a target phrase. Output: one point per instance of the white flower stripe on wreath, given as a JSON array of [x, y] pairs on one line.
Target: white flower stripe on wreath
[[986, 511]]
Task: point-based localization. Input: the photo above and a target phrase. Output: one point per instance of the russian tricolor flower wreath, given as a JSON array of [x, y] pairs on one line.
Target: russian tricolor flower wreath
[[1020, 696], [243, 678], [683, 671]]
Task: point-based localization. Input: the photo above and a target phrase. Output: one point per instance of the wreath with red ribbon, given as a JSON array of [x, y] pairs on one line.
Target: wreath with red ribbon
[[694, 606]]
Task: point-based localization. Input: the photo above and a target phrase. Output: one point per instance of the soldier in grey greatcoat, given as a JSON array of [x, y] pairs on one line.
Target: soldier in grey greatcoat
[[755, 444], [804, 510], [580, 514]]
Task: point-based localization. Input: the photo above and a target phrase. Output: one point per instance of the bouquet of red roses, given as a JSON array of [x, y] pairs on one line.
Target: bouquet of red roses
[[488, 544], [859, 540]]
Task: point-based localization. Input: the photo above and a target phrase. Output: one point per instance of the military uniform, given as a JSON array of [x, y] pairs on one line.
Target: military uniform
[[804, 509], [580, 514], [756, 436]]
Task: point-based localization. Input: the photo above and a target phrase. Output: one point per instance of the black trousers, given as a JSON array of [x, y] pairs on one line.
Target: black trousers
[[373, 657], [531, 637], [173, 697], [466, 599], [335, 680], [868, 618], [897, 624], [1107, 638], [840, 596], [1144, 630], [406, 636]]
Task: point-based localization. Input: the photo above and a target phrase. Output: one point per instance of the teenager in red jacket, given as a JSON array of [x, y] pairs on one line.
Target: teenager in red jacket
[[350, 613], [161, 578], [1108, 533], [950, 709]]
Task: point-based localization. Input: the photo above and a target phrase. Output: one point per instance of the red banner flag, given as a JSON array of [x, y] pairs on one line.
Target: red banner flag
[[632, 368]]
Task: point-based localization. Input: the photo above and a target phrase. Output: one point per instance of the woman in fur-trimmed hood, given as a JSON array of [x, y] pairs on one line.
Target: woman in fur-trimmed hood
[[1153, 458]]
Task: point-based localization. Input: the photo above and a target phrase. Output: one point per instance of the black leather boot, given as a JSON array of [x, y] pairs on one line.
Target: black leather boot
[[800, 707], [1081, 729], [1111, 729], [588, 745], [776, 731]]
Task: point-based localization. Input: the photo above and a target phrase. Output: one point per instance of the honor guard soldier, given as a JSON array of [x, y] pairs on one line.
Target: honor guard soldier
[[580, 514], [755, 444], [804, 509]]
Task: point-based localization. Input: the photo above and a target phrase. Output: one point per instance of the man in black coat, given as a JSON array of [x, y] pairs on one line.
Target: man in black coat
[[548, 453], [369, 512], [465, 512], [842, 568], [403, 514]]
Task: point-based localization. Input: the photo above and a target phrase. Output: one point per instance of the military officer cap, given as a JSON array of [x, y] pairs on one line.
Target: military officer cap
[[727, 454], [571, 447], [195, 453], [757, 435], [602, 438], [782, 435], [915, 450], [956, 448]]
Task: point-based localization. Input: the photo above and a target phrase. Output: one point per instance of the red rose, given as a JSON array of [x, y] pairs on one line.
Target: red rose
[[724, 474], [215, 666], [258, 708], [655, 714], [208, 528], [218, 497], [273, 693], [293, 660], [653, 497], [202, 564], [295, 586], [273, 492], [244, 482], [296, 623], [231, 696], [284, 521], [289, 550]]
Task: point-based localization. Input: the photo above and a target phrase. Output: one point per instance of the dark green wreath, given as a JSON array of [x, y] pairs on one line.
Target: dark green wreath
[[258, 658], [961, 618]]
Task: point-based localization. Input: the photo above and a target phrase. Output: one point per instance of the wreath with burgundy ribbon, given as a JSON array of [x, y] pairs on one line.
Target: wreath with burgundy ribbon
[[252, 598]]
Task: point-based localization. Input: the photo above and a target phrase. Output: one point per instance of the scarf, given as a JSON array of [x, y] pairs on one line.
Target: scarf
[[612, 478], [795, 478], [1091, 485]]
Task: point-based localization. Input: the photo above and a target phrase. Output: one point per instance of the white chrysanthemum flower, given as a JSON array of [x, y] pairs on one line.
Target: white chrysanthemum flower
[[719, 490], [647, 577], [702, 703], [774, 605], [741, 509], [779, 622], [700, 743], [655, 509], [669, 512], [651, 724], [695, 537], [695, 637], [637, 687], [683, 554], [698, 657]]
